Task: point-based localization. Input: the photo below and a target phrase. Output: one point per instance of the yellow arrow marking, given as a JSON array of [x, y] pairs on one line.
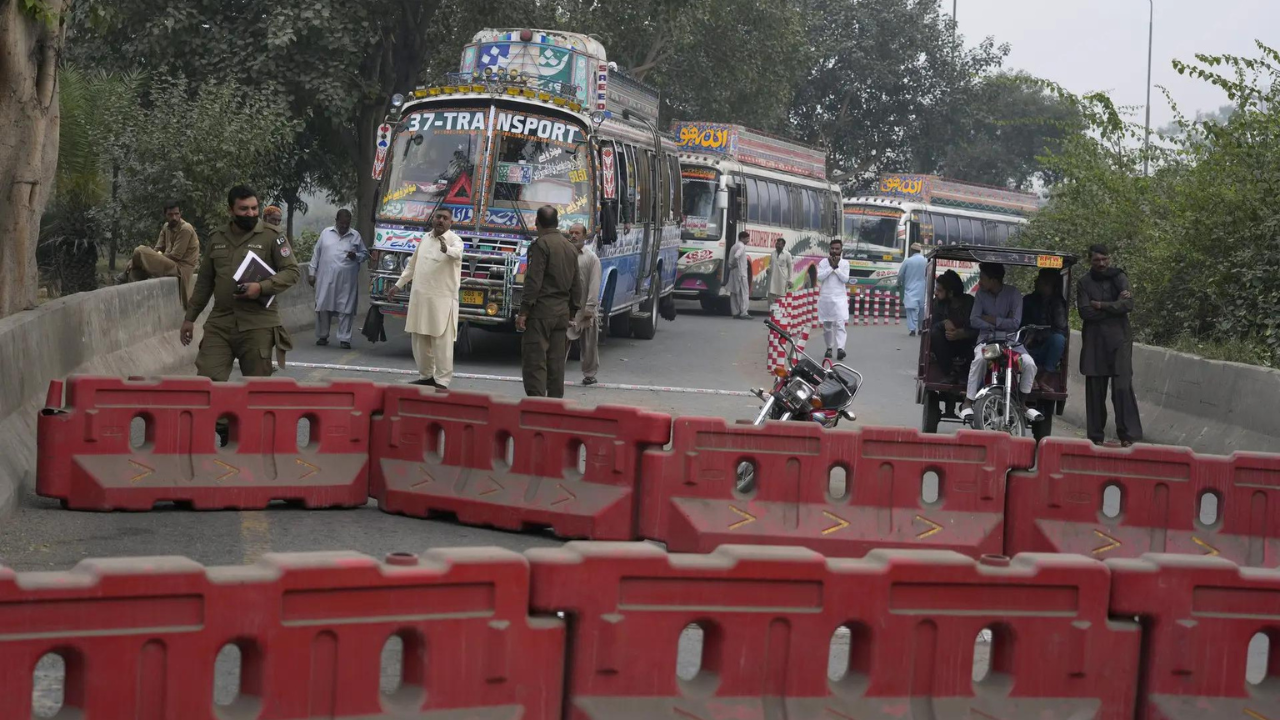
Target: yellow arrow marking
[[749, 518], [934, 528], [568, 492], [1112, 543], [146, 472], [491, 491], [426, 478], [1254, 715], [841, 523], [1213, 551], [306, 464], [231, 470]]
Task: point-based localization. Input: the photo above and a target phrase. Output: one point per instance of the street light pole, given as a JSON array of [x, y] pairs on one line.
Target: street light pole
[[1151, 35]]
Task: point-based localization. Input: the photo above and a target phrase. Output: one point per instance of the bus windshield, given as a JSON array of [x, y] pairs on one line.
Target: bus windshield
[[871, 226], [433, 161], [701, 219], [539, 161]]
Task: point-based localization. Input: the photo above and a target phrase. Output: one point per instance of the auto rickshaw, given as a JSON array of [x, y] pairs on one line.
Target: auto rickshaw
[[935, 389]]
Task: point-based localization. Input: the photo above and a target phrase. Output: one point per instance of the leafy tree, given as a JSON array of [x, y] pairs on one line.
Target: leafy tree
[[1200, 238], [885, 75], [717, 60], [1005, 123], [31, 39]]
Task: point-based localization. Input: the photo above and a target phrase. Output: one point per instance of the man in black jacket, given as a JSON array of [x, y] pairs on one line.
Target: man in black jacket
[[1106, 353]]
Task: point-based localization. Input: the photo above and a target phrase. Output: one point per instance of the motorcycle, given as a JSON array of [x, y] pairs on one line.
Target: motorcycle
[[1000, 405], [807, 391]]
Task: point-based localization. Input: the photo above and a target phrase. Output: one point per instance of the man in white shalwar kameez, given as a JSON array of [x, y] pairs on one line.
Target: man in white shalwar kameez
[[335, 274], [833, 299], [740, 278], [435, 269]]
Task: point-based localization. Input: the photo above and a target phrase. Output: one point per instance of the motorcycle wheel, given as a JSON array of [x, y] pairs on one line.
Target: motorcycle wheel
[[989, 412]]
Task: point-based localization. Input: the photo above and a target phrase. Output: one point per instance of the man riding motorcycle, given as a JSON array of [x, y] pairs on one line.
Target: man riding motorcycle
[[997, 312]]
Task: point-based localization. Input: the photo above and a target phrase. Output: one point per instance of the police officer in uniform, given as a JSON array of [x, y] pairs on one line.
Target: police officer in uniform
[[552, 288], [240, 327]]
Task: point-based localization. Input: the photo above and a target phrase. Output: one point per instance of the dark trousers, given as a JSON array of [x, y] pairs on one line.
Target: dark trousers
[[948, 350], [1128, 424], [543, 350]]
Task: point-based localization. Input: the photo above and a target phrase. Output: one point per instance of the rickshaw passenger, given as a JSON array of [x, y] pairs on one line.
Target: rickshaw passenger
[[950, 336], [997, 312], [1046, 306]]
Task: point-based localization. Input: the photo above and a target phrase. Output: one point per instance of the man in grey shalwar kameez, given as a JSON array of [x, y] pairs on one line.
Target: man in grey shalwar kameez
[[740, 278], [335, 274]]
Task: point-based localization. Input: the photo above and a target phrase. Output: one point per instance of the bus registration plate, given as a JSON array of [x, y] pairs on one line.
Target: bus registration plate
[[1049, 261], [473, 297]]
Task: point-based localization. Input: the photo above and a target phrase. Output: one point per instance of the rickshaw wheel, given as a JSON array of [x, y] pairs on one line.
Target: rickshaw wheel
[[932, 415]]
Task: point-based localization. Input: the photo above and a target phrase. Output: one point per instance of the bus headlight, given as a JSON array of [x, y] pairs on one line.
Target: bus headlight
[[390, 262]]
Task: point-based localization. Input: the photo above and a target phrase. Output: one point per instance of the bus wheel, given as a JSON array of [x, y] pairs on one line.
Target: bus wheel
[[708, 304], [644, 328]]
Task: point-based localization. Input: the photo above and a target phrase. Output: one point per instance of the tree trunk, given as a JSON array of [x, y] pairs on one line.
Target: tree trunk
[[370, 118], [29, 53]]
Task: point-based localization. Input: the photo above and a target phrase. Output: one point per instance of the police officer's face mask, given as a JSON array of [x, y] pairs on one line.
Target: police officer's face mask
[[246, 222]]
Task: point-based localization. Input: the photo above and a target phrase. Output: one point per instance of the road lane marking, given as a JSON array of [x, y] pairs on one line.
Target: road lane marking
[[511, 378], [255, 535]]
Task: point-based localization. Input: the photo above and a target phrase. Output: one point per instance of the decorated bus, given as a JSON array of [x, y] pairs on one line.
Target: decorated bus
[[532, 118], [879, 229], [736, 179]]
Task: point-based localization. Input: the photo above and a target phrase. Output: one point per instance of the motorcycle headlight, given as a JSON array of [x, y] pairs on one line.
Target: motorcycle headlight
[[390, 262], [802, 391], [991, 352]]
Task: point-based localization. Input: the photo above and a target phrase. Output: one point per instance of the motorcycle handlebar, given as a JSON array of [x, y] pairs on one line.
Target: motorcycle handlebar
[[783, 333]]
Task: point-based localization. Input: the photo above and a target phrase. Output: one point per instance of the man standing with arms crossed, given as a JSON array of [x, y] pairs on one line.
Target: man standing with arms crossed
[[435, 269], [552, 287], [1106, 350], [585, 327]]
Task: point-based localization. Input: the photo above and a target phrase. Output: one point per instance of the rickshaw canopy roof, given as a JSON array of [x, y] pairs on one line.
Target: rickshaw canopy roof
[[1006, 256]]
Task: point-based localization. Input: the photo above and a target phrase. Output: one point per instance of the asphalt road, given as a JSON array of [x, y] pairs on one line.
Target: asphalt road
[[695, 352]]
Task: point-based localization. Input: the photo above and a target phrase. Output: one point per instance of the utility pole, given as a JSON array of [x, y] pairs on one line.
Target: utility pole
[[1151, 35]]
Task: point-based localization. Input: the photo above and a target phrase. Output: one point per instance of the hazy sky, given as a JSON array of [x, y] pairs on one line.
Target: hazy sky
[[1087, 45]]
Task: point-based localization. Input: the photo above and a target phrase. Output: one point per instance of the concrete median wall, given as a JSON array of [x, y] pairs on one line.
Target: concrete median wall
[[123, 330], [1209, 405]]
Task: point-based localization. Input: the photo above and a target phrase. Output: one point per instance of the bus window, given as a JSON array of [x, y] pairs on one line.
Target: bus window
[[753, 200], [772, 211], [928, 233], [806, 199], [784, 193], [953, 229], [966, 231], [644, 186], [664, 189], [677, 194], [979, 232], [625, 191]]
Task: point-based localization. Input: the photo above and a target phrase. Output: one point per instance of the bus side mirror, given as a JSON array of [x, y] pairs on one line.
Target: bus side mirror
[[722, 199], [608, 222]]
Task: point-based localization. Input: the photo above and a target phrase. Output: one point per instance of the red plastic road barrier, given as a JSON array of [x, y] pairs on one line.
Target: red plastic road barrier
[[139, 637], [1200, 618], [694, 500], [1168, 500], [512, 465], [87, 458], [769, 620]]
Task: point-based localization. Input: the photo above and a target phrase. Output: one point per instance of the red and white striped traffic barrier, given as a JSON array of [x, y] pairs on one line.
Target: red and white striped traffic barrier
[[875, 307]]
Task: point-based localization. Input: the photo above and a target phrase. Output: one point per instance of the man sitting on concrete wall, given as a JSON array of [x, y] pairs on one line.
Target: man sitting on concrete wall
[[176, 254]]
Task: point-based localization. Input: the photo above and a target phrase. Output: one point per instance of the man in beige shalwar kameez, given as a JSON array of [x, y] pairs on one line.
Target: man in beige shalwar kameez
[[435, 269], [176, 254]]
